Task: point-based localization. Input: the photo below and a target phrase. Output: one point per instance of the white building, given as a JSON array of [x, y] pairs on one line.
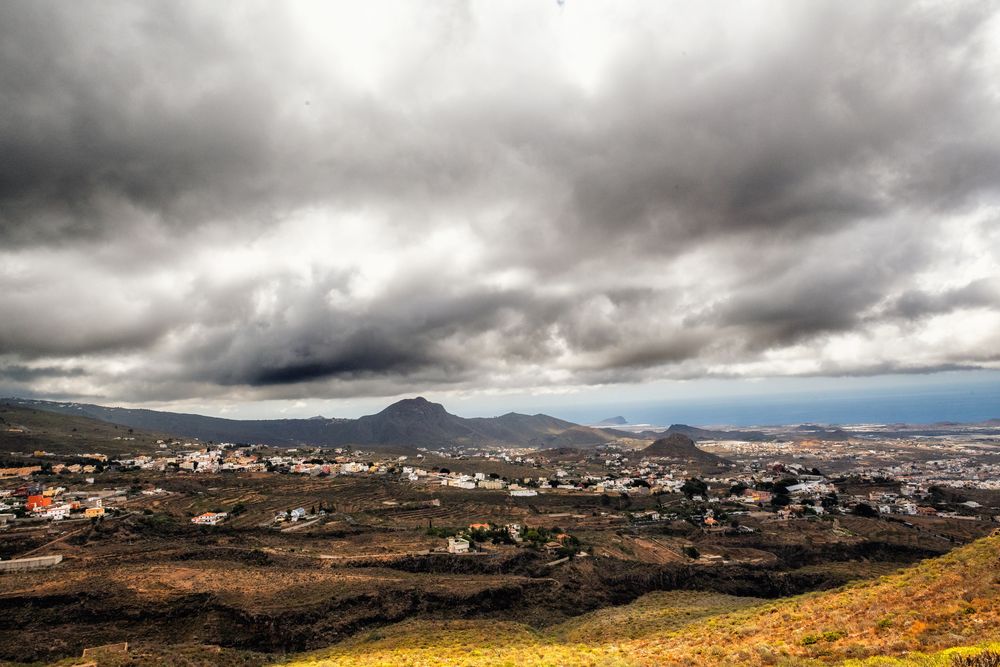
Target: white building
[[56, 512], [458, 545]]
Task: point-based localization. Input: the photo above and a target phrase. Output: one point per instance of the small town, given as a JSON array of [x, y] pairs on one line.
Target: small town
[[770, 482]]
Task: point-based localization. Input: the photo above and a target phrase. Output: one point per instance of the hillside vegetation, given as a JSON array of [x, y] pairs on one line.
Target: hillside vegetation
[[25, 429], [917, 616]]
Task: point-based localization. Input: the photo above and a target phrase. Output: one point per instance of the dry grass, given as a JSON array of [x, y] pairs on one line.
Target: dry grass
[[649, 615]]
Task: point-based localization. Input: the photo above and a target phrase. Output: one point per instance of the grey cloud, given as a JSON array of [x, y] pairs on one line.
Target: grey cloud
[[21, 373], [800, 138], [913, 304], [849, 117], [781, 168]]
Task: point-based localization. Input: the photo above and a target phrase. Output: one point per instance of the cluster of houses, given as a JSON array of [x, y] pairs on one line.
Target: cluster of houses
[[35, 501], [462, 543], [961, 472], [609, 469], [228, 458]]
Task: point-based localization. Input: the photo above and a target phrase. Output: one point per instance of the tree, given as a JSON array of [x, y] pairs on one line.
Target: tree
[[694, 487], [624, 500], [865, 510], [781, 486]]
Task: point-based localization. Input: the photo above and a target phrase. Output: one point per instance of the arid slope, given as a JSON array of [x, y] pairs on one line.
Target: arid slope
[[944, 602]]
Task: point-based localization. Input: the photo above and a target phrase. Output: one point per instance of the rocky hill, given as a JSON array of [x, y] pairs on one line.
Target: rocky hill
[[680, 446], [697, 433]]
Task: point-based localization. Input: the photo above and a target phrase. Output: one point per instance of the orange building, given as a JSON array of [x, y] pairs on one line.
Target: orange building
[[37, 501]]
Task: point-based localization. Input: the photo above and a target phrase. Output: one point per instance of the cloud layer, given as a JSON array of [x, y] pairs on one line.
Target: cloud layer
[[267, 201]]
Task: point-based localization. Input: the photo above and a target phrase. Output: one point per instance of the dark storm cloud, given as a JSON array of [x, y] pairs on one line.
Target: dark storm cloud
[[403, 333], [363, 353], [694, 205]]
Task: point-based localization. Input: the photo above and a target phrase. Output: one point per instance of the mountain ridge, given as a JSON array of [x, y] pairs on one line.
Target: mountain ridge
[[412, 421]]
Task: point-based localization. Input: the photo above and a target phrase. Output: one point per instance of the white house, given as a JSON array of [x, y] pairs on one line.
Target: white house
[[515, 531], [210, 518], [458, 545]]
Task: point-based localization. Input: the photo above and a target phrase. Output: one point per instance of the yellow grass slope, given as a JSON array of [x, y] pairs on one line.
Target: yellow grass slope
[[908, 618]]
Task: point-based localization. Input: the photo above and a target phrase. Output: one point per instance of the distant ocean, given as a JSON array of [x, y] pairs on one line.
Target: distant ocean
[[965, 404]]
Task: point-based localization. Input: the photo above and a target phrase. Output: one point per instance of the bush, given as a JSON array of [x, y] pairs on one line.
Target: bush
[[434, 531], [984, 659], [828, 636]]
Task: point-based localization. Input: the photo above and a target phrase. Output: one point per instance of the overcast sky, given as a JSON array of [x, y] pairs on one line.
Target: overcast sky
[[256, 207]]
